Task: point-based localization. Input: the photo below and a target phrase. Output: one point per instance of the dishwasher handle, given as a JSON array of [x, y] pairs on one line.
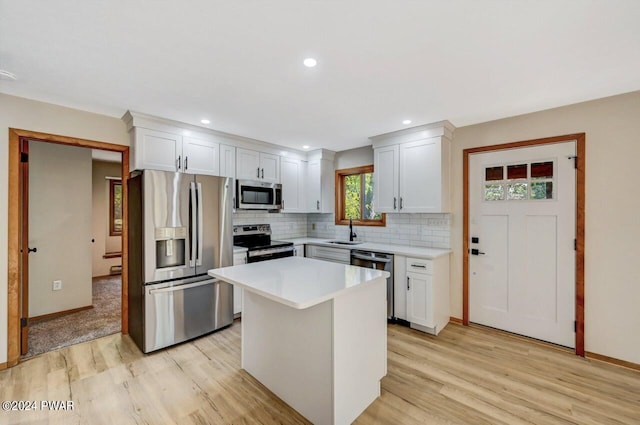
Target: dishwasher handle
[[370, 258]]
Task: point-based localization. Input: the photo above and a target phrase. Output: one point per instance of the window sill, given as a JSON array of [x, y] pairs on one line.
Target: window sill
[[375, 223]]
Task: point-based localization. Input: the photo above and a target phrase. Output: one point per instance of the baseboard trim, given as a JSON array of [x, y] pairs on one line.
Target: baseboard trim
[[455, 320], [3, 366], [612, 360], [60, 313]]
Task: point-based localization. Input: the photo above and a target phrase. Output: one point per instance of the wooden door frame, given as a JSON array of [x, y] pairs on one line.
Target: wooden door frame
[[16, 136], [580, 223]]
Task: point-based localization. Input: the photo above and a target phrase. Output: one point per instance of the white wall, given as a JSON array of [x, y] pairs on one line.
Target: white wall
[[103, 242], [612, 276], [59, 227], [43, 117]]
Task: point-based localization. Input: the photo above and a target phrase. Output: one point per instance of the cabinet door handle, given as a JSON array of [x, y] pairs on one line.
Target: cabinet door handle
[[186, 163], [408, 284], [401, 202], [317, 205], [395, 203], [422, 266], [258, 175], [179, 162], [263, 173]]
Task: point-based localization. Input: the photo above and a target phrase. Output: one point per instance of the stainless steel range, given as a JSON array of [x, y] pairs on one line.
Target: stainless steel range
[[257, 239]]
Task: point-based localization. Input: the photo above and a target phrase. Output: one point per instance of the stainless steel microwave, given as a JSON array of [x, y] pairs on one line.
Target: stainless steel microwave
[[256, 195]]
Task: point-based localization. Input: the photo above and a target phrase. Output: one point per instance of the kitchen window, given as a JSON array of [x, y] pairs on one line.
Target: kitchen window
[[354, 197], [115, 207]]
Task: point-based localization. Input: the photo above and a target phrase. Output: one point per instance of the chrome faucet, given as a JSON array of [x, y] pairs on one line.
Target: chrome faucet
[[352, 234]]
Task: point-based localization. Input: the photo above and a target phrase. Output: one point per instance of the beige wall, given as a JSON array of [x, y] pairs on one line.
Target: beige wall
[[103, 242], [37, 116], [60, 227], [354, 158], [612, 277]]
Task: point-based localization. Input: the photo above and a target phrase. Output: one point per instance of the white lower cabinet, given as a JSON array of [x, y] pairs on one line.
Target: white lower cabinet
[[238, 258], [426, 283], [336, 255], [299, 250]]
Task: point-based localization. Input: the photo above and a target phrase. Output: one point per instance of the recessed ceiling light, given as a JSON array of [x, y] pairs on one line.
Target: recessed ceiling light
[[310, 62], [205, 121], [7, 75], [405, 122], [305, 147]]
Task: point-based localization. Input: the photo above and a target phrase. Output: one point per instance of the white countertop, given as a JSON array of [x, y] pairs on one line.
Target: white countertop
[[237, 249], [298, 282], [410, 251]]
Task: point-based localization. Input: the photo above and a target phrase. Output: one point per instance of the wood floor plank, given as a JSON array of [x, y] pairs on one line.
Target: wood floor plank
[[465, 375]]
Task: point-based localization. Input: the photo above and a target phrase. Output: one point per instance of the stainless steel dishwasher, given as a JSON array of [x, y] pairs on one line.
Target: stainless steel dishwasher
[[379, 261]]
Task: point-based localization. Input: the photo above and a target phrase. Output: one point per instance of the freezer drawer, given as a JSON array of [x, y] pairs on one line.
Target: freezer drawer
[[176, 313]]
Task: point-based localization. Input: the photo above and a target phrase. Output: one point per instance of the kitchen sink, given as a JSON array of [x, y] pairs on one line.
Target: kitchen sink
[[344, 242]]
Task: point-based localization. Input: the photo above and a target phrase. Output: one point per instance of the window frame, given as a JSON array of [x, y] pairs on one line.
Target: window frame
[[112, 184], [340, 196]]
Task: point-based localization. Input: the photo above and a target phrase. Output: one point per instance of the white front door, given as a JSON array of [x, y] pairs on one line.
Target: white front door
[[522, 210]]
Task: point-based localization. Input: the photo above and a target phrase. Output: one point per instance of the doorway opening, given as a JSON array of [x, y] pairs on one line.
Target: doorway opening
[[522, 189], [59, 316]]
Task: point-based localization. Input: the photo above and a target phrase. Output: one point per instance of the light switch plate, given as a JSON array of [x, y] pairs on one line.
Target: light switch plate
[[57, 285]]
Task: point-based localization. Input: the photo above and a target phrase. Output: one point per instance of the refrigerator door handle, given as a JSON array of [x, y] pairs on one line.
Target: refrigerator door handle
[[194, 218], [200, 225], [183, 287]]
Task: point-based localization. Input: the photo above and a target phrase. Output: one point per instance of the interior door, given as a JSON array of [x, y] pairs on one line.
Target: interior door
[[522, 212]]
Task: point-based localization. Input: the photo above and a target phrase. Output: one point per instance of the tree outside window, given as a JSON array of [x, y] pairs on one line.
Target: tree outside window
[[115, 207], [354, 197]]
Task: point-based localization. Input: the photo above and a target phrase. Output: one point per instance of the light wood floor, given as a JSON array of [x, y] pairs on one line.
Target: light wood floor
[[466, 375]]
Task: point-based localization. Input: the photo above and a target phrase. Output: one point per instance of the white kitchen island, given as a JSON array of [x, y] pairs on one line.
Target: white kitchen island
[[314, 333]]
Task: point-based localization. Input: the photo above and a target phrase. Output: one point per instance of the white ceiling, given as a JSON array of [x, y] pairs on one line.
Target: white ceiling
[[239, 62]]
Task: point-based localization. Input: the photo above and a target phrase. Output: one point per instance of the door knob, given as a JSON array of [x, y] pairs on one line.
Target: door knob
[[29, 250]]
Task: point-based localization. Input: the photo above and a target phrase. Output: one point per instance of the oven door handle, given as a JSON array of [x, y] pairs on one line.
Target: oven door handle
[[183, 287], [270, 251]]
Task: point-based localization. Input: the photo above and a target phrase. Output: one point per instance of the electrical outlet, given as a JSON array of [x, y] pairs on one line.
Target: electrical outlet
[[57, 285], [313, 226]]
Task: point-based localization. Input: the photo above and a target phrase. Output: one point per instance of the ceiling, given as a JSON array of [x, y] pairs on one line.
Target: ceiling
[[239, 63]]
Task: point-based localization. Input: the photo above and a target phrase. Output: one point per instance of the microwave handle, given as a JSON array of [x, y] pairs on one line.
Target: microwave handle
[[193, 201], [200, 225]]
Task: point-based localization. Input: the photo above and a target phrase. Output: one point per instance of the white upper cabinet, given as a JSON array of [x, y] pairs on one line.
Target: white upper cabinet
[[227, 161], [293, 178], [201, 156], [411, 169], [254, 165], [320, 186], [269, 167], [156, 150], [385, 176]]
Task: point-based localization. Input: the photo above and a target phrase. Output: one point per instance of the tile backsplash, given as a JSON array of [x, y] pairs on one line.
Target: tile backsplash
[[428, 230], [283, 225]]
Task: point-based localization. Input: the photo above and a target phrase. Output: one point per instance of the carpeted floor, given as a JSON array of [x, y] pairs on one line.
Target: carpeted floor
[[103, 319]]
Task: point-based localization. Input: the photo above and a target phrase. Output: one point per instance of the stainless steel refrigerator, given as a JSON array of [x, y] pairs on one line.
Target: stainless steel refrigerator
[[179, 227]]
